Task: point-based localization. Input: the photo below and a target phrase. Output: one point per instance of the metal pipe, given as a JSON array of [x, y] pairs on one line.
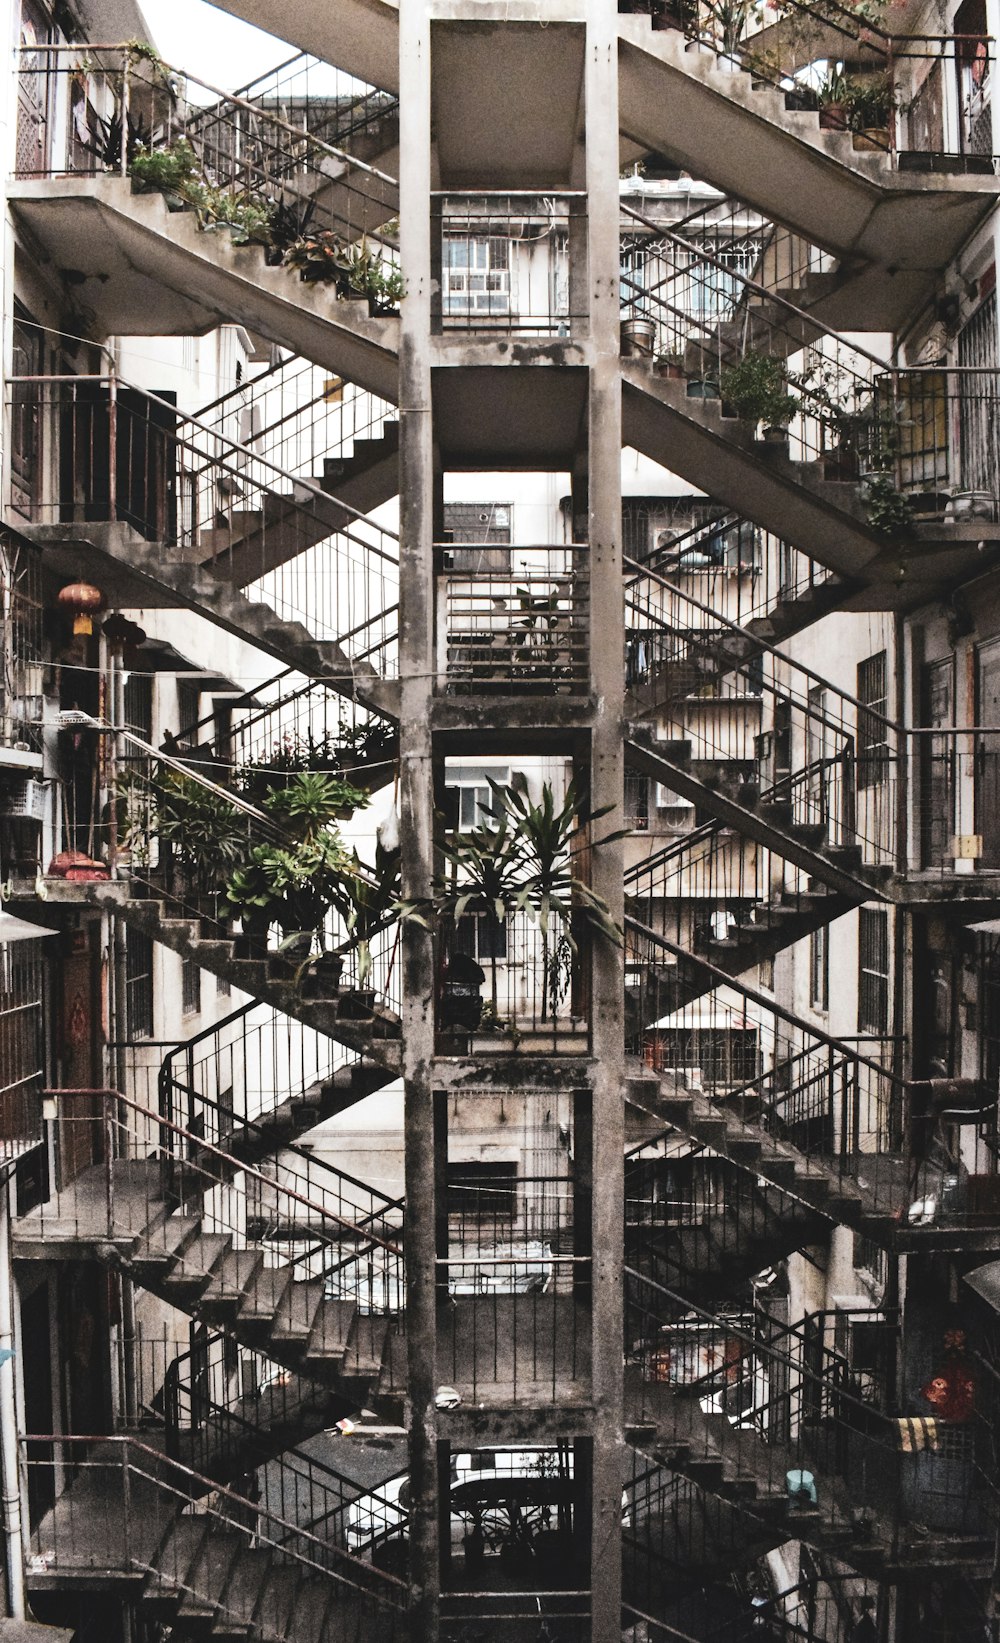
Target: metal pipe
[[9, 1467]]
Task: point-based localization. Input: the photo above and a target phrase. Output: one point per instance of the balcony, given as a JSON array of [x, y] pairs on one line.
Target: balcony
[[507, 264], [508, 633]]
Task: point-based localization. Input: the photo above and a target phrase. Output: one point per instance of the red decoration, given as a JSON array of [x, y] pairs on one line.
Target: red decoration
[[84, 600]]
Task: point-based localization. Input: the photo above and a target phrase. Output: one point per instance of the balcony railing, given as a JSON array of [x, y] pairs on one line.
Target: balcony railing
[[129, 456], [509, 262], [506, 632], [91, 111]]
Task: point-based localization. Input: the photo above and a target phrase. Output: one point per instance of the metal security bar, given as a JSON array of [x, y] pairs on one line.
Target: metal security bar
[[109, 104], [509, 262], [514, 632]]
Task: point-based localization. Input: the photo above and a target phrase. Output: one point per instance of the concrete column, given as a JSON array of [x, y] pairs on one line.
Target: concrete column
[[416, 657], [607, 780]]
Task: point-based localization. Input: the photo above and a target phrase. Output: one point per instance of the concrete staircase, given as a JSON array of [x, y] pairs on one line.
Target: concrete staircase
[[825, 518], [142, 574], [679, 100], [739, 804], [146, 271], [375, 1034], [809, 1181], [256, 541]]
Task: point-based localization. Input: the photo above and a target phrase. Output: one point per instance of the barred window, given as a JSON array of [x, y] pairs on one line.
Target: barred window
[[190, 986], [873, 971], [872, 693], [139, 984], [819, 968]]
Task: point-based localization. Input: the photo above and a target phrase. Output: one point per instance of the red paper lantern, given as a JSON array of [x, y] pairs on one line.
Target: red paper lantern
[[84, 600]]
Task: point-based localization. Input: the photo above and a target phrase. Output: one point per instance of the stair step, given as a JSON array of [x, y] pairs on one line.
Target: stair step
[[312, 1599], [209, 1574], [275, 1605], [160, 1247], [244, 1593], [302, 1300], [194, 1269], [230, 1281], [264, 1295], [331, 1331], [366, 1345], [176, 1556]]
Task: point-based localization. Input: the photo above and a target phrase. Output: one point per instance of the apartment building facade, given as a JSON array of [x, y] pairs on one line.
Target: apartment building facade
[[499, 996]]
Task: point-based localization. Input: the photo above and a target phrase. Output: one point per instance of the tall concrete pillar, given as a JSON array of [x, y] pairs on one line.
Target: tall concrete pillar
[[607, 785], [416, 646]]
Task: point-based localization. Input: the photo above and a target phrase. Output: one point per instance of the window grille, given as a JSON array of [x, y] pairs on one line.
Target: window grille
[[873, 748], [139, 984], [873, 971]]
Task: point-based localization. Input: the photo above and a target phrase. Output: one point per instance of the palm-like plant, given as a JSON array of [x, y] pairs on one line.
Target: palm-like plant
[[483, 878], [546, 838]]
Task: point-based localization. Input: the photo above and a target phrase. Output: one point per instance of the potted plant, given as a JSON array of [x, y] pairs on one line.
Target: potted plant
[[889, 511], [292, 880], [757, 387], [367, 901], [670, 365], [833, 95], [870, 103], [175, 171], [205, 835], [547, 837]]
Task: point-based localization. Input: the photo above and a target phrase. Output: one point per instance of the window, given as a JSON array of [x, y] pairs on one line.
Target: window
[[481, 531], [819, 968], [468, 790], [873, 748], [873, 971], [482, 1190], [476, 275], [480, 936], [190, 986], [188, 705], [139, 704], [138, 984]]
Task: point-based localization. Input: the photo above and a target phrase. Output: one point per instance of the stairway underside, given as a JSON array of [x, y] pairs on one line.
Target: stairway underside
[[138, 574], [823, 518], [142, 270]]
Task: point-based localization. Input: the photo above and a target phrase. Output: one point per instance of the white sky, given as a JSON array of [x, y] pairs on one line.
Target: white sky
[[209, 43]]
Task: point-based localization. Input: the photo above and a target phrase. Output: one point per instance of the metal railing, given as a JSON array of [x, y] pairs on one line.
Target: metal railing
[[130, 456], [509, 262], [117, 1504], [514, 632], [306, 1223], [324, 102], [301, 419], [893, 105], [102, 106], [700, 1225], [770, 1404], [823, 763], [529, 993], [800, 1092]]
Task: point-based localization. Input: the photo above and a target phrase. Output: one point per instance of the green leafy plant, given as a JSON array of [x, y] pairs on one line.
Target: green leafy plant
[[870, 102], [481, 878], [292, 886], [106, 141], [367, 901], [547, 837], [174, 169], [757, 387], [834, 89], [889, 511], [206, 832]]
